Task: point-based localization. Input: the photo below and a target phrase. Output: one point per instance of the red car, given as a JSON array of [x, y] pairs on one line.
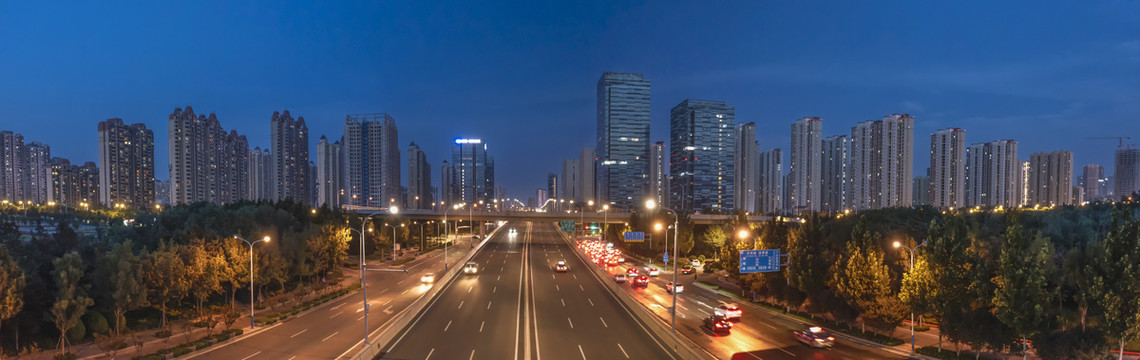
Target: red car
[[631, 272], [640, 280]]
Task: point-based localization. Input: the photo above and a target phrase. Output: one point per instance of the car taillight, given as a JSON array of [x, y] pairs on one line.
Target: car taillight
[[818, 340], [830, 338]]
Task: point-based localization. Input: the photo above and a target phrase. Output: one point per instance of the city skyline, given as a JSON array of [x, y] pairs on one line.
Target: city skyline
[[986, 83]]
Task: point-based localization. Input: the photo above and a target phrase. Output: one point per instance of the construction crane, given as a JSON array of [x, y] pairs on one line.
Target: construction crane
[[1120, 140]]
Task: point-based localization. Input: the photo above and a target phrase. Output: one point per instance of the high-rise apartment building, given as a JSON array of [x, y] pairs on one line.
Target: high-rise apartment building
[[882, 163], [1051, 178], [1127, 176], [586, 176], [836, 159], [330, 173], [771, 181], [921, 190], [659, 173], [206, 163], [553, 186], [74, 185], [474, 171], [372, 160], [37, 172], [948, 168], [1090, 180], [447, 184], [126, 164], [701, 149], [746, 182], [623, 139], [419, 179], [993, 174], [804, 165], [570, 180], [259, 180], [12, 178], [290, 147]]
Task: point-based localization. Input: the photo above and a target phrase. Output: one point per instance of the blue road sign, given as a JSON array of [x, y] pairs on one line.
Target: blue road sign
[[754, 261], [634, 236], [666, 257]]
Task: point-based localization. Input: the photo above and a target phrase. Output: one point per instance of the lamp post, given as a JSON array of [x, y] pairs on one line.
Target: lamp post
[[393, 210], [650, 204], [251, 302], [606, 221], [363, 277], [911, 249]]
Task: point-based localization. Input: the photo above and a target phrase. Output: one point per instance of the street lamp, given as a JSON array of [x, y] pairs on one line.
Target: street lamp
[[650, 204], [265, 239], [606, 221], [393, 210], [363, 276], [911, 249]]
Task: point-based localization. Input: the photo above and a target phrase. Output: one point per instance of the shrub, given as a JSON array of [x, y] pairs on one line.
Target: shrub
[[181, 350], [201, 344], [149, 357], [96, 322], [77, 333], [65, 356]]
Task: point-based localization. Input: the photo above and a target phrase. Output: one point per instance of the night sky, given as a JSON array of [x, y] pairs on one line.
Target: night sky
[[523, 75]]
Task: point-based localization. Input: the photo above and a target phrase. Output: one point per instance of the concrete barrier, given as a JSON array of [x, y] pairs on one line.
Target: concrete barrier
[[680, 345], [405, 317]]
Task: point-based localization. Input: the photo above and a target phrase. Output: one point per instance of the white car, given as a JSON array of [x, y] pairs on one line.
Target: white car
[[470, 268], [619, 278], [696, 263], [428, 278], [674, 288], [651, 271]]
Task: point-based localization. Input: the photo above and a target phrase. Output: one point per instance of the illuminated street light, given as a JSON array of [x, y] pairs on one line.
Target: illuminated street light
[[251, 299]]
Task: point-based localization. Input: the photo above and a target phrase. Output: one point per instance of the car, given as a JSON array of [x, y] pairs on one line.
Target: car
[[428, 278], [621, 259], [696, 263], [612, 261], [670, 287], [717, 324], [640, 280], [651, 271], [619, 278], [687, 269], [512, 232], [728, 311], [561, 266], [631, 272], [470, 268], [815, 337]]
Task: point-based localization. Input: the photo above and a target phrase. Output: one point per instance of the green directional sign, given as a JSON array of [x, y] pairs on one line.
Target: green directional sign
[[567, 226]]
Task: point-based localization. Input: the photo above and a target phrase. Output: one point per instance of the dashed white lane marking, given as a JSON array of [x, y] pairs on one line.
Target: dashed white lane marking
[[787, 352], [481, 326], [386, 302], [497, 278], [433, 350], [334, 315], [447, 327], [494, 289], [682, 306], [388, 310], [460, 304], [580, 287], [489, 304], [294, 357], [298, 333], [330, 336], [582, 351], [575, 276], [571, 323], [591, 301], [603, 321], [557, 288], [469, 289], [404, 292], [768, 325], [563, 302], [382, 291], [254, 354], [623, 351], [472, 355], [360, 318]]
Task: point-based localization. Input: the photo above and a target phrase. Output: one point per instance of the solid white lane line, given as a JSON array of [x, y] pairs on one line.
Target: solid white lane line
[[433, 350], [254, 354], [489, 304], [448, 326], [481, 326], [330, 336], [571, 323], [623, 351], [460, 305], [591, 301], [603, 321], [582, 351], [298, 333]]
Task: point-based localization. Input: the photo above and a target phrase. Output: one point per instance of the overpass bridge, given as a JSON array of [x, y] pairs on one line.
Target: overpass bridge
[[611, 217]]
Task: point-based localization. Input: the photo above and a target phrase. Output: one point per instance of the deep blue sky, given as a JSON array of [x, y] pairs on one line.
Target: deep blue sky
[[523, 75]]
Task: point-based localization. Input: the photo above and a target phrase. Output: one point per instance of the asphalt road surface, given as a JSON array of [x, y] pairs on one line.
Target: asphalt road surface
[[518, 307], [759, 335]]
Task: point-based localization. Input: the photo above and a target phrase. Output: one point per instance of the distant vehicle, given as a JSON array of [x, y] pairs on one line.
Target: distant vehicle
[[687, 269], [670, 287], [561, 266], [621, 259], [428, 278], [718, 325], [513, 232], [631, 272], [815, 337], [651, 271], [696, 263], [612, 261], [640, 280], [728, 311], [471, 268], [619, 278]]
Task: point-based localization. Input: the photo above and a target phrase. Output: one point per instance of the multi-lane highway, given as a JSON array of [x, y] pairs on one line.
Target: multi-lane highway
[[759, 335], [518, 307], [336, 328]]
